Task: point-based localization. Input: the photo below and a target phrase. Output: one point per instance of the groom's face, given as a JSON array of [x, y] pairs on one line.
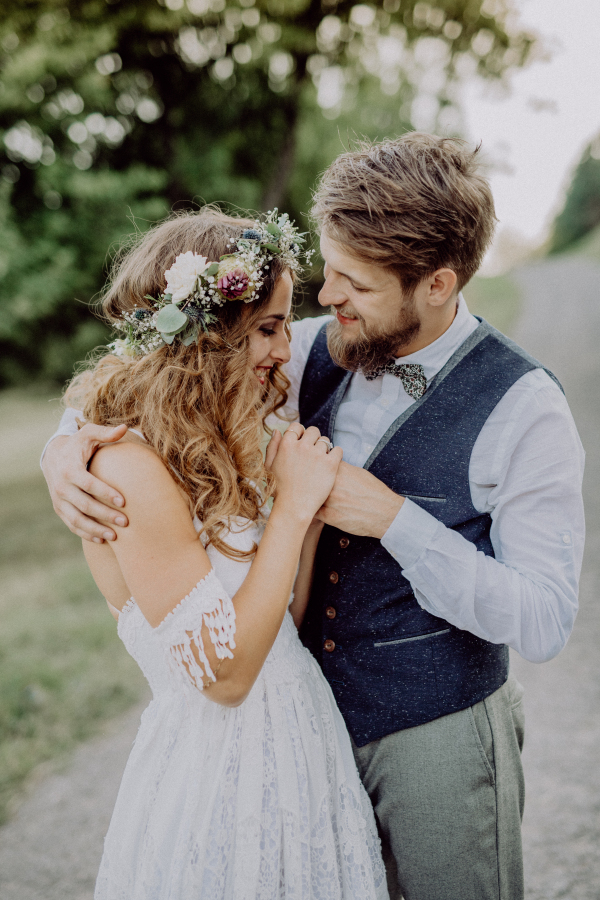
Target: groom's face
[[375, 319]]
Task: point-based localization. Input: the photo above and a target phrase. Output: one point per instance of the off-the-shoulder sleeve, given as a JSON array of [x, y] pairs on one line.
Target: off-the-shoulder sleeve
[[208, 604]]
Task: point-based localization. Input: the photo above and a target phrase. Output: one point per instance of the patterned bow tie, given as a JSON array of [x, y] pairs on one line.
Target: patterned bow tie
[[412, 376]]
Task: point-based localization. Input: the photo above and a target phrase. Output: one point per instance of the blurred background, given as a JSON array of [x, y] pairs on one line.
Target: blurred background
[[113, 112]]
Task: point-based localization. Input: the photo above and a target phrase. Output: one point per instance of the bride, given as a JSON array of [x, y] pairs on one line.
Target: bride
[[241, 783]]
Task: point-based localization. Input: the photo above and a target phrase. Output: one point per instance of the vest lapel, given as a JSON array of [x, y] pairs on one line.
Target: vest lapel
[[475, 338], [337, 400]]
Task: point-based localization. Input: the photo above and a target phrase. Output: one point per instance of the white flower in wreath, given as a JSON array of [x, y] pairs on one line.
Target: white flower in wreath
[[122, 348], [183, 275]]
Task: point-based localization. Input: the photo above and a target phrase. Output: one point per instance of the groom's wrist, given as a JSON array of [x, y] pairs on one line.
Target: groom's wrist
[[386, 509]]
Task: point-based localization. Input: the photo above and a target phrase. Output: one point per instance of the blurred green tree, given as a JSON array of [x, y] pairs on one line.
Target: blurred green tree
[[581, 212], [116, 107]]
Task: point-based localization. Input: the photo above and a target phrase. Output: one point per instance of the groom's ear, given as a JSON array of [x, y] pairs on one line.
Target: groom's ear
[[440, 286]]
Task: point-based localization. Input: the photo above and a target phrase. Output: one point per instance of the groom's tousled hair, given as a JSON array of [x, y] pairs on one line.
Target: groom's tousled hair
[[414, 205]]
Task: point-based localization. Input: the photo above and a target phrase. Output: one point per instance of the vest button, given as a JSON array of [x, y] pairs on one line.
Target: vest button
[[334, 577], [329, 646], [344, 542], [330, 612]]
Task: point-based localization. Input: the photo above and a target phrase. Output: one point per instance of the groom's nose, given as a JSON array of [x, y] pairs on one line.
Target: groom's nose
[[332, 294]]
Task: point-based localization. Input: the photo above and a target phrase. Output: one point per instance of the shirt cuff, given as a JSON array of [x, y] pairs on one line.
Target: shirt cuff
[[67, 427], [410, 534]]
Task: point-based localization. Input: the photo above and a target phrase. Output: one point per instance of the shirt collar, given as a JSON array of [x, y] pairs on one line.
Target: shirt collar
[[434, 356]]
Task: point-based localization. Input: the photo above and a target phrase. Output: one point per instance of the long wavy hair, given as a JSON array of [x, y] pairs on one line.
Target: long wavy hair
[[199, 407]]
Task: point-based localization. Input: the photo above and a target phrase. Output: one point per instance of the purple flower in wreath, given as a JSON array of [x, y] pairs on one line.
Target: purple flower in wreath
[[234, 282]]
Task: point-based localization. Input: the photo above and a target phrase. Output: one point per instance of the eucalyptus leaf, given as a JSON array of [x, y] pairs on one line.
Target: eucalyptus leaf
[[274, 229], [167, 338], [171, 320], [190, 337], [212, 270], [273, 248]]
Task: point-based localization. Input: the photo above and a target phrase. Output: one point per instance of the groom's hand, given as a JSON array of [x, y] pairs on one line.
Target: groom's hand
[[360, 503], [87, 506]]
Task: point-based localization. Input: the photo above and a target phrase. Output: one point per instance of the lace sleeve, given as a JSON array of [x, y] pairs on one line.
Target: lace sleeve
[[181, 630]]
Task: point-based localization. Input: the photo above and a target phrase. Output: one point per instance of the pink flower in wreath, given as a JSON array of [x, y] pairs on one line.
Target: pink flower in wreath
[[234, 285]]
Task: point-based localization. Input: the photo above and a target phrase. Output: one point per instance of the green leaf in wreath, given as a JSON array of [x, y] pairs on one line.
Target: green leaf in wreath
[[167, 338], [212, 270], [272, 247], [190, 336], [171, 320], [274, 229]]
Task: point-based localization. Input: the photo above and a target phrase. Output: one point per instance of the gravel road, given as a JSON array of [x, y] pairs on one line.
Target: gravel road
[[52, 847], [560, 325]]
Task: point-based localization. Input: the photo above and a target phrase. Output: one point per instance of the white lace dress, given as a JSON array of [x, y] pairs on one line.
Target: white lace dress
[[258, 802]]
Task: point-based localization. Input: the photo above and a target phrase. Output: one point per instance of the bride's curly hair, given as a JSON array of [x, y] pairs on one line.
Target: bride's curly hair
[[199, 407]]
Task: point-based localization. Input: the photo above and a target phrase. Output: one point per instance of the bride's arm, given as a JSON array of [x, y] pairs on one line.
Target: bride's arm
[[162, 560], [306, 569]]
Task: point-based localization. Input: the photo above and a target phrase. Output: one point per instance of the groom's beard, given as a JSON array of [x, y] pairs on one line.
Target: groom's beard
[[374, 347]]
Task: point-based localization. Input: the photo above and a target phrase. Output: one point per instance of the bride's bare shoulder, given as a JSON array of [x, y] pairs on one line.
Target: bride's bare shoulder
[[127, 459], [136, 471]]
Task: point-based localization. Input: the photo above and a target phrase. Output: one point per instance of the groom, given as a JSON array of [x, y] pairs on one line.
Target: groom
[[454, 530]]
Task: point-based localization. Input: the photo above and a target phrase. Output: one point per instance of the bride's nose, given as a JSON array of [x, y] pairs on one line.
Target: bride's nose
[[281, 351]]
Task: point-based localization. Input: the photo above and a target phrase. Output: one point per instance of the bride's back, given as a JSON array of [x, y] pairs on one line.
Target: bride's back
[[198, 405]]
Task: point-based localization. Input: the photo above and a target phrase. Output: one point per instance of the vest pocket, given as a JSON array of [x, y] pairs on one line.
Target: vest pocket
[[423, 497], [408, 640]]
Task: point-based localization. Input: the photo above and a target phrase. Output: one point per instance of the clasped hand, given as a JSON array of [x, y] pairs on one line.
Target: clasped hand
[[357, 502], [304, 468]]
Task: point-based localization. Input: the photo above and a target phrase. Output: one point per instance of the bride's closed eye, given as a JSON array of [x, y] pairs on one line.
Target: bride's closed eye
[[267, 331]]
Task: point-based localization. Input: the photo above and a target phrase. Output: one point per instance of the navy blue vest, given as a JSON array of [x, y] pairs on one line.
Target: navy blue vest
[[391, 664]]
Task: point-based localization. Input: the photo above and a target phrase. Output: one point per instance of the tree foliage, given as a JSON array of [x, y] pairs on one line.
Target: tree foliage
[[112, 109], [581, 212]]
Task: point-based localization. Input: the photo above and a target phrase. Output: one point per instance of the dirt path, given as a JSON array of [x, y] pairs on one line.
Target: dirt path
[[51, 849], [561, 327]]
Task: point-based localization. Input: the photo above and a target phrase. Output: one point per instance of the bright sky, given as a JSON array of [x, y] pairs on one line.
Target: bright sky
[[539, 131]]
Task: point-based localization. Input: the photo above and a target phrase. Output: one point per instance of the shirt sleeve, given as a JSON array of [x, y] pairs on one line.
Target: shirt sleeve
[[66, 427], [526, 596]]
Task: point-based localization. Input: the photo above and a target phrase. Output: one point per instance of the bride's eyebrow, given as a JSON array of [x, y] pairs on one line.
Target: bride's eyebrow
[[277, 316]]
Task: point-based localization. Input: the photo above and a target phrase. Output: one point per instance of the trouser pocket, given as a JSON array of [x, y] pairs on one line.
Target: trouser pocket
[[484, 737]]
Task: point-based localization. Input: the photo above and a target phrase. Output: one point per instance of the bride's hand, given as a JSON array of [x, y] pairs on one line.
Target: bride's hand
[[304, 469]]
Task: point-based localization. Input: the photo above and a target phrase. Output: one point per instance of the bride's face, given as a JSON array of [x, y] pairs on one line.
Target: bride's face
[[268, 340]]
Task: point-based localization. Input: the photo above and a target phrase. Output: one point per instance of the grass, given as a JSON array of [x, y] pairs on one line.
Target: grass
[[63, 669], [588, 246], [498, 300]]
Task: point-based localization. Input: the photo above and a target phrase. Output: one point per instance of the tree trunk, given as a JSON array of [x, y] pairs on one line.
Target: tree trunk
[[275, 191]]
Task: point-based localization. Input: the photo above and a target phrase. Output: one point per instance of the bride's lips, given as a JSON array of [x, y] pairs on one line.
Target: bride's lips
[[261, 373]]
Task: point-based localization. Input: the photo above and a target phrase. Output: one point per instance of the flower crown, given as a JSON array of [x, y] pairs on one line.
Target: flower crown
[[197, 287]]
